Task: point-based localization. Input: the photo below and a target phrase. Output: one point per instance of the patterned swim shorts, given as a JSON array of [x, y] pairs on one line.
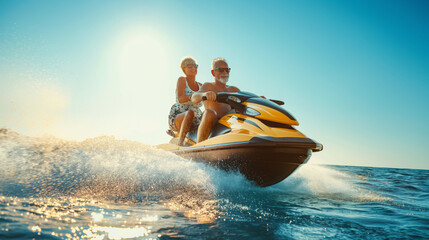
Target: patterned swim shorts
[[178, 108]]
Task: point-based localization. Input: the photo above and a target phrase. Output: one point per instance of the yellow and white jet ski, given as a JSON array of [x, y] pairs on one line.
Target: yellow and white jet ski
[[258, 139]]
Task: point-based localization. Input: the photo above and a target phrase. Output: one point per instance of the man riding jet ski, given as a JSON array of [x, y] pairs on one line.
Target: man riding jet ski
[[257, 139]]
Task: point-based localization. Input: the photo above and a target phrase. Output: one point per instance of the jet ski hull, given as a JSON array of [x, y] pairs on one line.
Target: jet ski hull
[[265, 163]]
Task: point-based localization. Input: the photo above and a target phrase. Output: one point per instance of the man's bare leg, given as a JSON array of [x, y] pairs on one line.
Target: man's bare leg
[[186, 125], [207, 122]]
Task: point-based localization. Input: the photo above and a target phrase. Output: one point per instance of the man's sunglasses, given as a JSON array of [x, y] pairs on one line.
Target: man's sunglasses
[[223, 69]]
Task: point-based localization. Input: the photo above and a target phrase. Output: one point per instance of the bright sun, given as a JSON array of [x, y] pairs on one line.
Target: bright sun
[[142, 80], [141, 62]]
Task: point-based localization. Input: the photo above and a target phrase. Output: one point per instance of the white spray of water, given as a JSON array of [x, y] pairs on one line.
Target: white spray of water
[[106, 169], [102, 166], [326, 182]]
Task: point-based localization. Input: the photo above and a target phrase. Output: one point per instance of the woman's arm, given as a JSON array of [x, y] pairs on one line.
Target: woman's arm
[[180, 88]]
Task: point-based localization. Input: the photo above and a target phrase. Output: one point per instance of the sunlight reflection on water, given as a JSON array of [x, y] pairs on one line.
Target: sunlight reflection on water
[[120, 233]]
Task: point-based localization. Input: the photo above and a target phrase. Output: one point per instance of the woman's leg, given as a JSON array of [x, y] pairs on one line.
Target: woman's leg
[[178, 121], [186, 125]]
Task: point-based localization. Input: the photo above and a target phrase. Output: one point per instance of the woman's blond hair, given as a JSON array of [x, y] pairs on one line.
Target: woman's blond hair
[[187, 60]]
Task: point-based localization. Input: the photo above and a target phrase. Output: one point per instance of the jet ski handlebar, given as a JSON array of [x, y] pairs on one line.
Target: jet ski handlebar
[[223, 97], [238, 97]]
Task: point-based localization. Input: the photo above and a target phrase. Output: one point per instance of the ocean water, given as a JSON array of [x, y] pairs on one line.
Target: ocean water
[[104, 188]]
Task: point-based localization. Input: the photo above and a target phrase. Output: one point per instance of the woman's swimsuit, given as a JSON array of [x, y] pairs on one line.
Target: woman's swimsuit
[[179, 108]]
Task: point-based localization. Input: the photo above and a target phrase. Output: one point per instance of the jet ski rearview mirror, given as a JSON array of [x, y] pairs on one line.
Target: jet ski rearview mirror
[[278, 102]]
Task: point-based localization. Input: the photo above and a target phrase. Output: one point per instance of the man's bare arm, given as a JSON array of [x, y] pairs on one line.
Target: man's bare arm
[[205, 90]]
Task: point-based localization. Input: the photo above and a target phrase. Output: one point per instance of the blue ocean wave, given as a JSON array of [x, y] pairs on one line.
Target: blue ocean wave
[[107, 188]]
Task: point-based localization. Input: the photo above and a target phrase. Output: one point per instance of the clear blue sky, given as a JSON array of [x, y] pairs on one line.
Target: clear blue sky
[[354, 73]]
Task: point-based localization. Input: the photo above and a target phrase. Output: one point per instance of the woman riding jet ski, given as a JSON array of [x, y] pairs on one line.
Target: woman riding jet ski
[[258, 139]]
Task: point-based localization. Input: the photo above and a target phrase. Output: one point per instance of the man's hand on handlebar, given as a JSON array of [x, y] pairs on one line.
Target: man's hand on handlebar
[[211, 96]]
